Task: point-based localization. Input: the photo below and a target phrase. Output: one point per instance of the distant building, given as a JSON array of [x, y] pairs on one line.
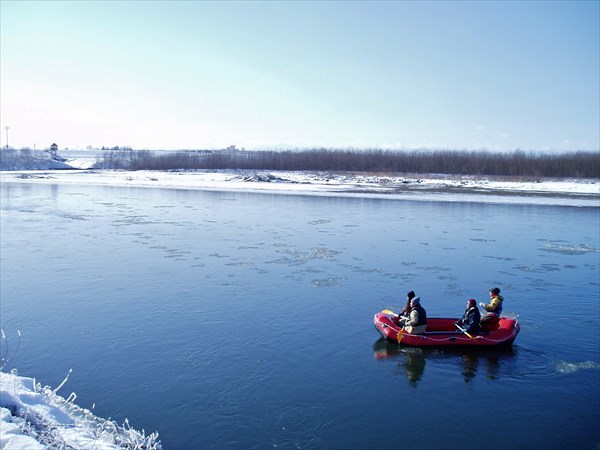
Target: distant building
[[53, 149]]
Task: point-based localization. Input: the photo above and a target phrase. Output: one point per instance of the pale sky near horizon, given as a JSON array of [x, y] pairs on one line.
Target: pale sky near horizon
[[402, 75]]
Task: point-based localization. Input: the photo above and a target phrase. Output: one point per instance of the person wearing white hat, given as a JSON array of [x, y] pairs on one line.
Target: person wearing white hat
[[417, 318]]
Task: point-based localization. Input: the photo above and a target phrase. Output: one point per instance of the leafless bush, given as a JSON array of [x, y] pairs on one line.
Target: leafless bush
[[115, 159]]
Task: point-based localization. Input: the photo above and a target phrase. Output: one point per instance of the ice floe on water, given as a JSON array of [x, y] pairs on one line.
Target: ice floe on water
[[327, 282], [568, 249], [293, 256]]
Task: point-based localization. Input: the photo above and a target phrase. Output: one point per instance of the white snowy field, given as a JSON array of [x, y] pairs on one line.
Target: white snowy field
[[568, 192], [35, 417]]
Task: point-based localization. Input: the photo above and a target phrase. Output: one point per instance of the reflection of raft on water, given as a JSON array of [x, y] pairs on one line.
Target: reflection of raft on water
[[488, 361], [443, 332], [412, 360]]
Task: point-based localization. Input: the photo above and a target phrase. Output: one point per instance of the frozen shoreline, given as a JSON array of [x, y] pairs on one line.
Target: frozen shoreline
[[34, 417], [570, 192]]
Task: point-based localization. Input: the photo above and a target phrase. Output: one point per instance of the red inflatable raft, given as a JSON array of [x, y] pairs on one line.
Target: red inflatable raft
[[443, 332]]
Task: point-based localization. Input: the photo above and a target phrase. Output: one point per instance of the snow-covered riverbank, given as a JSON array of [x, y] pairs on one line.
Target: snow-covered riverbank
[[568, 192], [35, 417]]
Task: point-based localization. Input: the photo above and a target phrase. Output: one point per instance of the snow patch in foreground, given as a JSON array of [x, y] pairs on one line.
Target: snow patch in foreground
[[35, 417]]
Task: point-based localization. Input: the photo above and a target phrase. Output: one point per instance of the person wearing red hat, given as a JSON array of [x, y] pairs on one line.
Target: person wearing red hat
[[471, 318]]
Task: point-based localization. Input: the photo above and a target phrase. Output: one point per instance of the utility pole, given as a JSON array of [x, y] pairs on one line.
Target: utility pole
[[7, 128]]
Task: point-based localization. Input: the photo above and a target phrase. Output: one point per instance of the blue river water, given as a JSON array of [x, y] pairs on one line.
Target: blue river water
[[244, 320]]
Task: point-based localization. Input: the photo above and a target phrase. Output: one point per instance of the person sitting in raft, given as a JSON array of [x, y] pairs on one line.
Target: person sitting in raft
[[494, 308], [470, 319], [406, 311], [416, 323]]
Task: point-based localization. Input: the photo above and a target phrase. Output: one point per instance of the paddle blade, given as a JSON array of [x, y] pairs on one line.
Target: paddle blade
[[387, 311]]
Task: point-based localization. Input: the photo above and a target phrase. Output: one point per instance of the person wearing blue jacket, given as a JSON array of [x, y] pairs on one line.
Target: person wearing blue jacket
[[471, 318]]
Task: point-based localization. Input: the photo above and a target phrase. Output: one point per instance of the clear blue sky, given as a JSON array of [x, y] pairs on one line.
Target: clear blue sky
[[460, 75]]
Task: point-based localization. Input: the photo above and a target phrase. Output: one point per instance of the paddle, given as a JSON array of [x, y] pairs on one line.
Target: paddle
[[400, 331], [399, 335], [388, 311], [463, 330]]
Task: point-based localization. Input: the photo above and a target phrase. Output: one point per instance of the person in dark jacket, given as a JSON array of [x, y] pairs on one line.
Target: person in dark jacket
[[416, 323], [403, 316], [471, 318]]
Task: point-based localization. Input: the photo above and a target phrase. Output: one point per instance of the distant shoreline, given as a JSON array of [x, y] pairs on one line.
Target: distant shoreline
[[426, 187]]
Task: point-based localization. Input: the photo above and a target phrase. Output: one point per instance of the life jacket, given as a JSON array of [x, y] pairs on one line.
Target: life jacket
[[471, 320], [422, 315], [498, 309]]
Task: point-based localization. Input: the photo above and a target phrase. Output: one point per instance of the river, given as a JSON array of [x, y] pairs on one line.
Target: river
[[245, 320]]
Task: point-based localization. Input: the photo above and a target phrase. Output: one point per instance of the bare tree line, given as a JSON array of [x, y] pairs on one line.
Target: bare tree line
[[518, 163], [578, 164]]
